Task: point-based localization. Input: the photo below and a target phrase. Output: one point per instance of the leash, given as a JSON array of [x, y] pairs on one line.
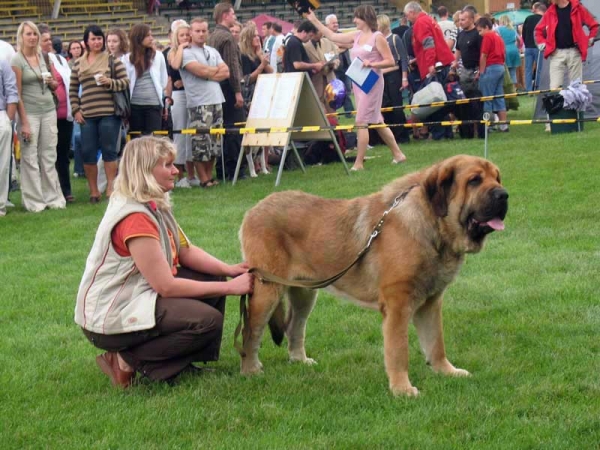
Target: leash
[[266, 277]]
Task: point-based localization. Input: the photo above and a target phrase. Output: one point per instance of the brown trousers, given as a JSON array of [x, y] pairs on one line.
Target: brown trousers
[[186, 330]]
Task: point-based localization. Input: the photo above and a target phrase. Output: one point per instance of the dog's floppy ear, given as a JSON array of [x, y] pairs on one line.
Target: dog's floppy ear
[[437, 186]]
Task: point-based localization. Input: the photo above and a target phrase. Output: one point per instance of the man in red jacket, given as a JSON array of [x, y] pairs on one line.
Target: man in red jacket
[[428, 42], [561, 37]]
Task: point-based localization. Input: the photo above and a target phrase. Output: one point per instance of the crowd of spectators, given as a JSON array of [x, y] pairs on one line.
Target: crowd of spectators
[[63, 101]]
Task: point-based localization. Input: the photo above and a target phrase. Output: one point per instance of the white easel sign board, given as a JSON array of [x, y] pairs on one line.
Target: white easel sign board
[[284, 100]]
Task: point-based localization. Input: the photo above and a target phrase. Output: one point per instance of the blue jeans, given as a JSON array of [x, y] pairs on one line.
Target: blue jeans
[[76, 145], [531, 56], [100, 133], [491, 82]]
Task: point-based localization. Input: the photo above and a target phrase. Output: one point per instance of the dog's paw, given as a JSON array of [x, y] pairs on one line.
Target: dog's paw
[[446, 368], [408, 391], [251, 368], [455, 372], [305, 360]]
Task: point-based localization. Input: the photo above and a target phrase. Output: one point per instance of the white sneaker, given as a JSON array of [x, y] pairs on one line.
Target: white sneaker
[[183, 183], [9, 204], [194, 182]]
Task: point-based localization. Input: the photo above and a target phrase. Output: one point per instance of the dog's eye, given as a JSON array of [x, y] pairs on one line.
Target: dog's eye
[[475, 180]]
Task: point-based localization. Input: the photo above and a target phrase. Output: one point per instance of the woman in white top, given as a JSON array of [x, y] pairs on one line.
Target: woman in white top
[[147, 72], [149, 297]]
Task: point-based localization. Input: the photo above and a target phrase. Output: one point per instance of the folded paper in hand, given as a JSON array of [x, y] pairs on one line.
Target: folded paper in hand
[[364, 77]]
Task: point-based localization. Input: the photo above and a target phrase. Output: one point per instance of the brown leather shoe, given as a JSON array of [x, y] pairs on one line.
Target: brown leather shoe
[[109, 364]]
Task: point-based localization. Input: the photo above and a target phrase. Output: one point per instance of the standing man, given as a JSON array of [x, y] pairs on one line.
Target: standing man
[[466, 62], [560, 35], [321, 49], [269, 40], [222, 40], [202, 69], [448, 27], [428, 43], [531, 50], [6, 53], [403, 27], [295, 58], [331, 22], [9, 99], [276, 57]]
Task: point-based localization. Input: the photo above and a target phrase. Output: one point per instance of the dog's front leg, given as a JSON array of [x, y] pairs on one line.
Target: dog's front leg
[[428, 323], [396, 318]]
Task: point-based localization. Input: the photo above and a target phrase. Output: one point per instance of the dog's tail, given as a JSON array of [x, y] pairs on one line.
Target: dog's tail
[[278, 324]]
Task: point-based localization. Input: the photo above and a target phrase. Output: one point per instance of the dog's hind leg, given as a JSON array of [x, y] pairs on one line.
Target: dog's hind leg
[[302, 302], [264, 300]]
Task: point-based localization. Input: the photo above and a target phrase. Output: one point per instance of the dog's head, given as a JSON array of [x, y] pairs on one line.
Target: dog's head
[[466, 194]]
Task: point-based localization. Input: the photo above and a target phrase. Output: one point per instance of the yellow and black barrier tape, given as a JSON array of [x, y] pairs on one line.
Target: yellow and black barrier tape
[[312, 129], [464, 101]]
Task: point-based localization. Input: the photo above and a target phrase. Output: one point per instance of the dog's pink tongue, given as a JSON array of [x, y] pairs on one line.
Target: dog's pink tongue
[[497, 224]]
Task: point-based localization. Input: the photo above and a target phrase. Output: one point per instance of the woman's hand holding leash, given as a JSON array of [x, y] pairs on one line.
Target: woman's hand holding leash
[[241, 285]]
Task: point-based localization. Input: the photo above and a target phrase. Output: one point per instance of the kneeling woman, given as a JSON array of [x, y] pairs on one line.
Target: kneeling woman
[[150, 298]]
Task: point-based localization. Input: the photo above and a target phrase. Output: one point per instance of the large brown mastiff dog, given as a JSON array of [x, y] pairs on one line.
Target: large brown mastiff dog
[[450, 210]]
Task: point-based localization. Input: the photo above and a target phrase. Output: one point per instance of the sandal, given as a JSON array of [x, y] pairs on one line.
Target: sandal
[[214, 182], [94, 200], [206, 184]]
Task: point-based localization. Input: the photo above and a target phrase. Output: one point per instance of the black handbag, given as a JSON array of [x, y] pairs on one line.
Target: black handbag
[[122, 99]]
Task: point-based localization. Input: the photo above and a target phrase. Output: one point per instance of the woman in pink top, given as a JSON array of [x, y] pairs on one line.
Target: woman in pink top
[[371, 47]]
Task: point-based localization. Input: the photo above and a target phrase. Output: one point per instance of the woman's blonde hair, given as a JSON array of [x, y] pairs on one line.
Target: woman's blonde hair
[[135, 179], [456, 18], [383, 23], [246, 37], [20, 32], [506, 22], [179, 26]]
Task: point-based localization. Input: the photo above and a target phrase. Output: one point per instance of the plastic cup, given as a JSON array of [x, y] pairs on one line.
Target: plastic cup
[[97, 78], [45, 76]]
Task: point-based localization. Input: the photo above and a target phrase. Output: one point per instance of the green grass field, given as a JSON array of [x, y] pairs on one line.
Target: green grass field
[[523, 317]]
